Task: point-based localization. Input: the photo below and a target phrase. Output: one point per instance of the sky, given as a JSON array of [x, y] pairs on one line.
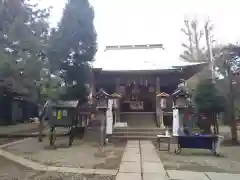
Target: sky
[[156, 21]]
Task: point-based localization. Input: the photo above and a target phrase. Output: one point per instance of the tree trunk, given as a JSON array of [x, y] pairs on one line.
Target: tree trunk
[[207, 125], [41, 121], [231, 108], [216, 124], [40, 131]]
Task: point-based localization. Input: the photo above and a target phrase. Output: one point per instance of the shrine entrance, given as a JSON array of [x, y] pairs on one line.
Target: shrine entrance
[[138, 104], [138, 98]]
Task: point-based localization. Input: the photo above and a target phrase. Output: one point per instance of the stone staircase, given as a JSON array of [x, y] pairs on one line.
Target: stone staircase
[[139, 119], [127, 133]]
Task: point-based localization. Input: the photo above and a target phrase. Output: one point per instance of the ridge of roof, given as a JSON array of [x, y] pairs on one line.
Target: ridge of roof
[[133, 46]]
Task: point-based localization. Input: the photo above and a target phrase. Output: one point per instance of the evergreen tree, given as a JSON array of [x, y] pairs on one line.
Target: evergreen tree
[[73, 46], [209, 102], [23, 40]]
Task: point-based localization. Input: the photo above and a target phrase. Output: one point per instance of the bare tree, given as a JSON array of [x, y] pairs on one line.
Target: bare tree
[[193, 52]]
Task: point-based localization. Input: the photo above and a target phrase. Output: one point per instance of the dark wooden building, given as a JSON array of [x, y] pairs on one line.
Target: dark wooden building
[[139, 105], [15, 104]]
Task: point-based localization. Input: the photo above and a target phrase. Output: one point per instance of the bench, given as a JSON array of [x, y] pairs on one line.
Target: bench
[[208, 142]]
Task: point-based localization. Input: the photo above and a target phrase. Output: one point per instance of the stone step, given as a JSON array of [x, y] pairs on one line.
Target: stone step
[[138, 133], [129, 129]]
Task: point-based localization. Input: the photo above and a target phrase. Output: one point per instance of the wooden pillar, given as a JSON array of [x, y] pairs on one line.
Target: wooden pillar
[[92, 85], [159, 112], [117, 112]]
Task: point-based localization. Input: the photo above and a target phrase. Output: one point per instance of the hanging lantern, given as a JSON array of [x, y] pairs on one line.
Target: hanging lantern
[[163, 99]]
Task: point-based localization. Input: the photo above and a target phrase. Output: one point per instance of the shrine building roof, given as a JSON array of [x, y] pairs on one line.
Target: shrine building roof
[[143, 59]]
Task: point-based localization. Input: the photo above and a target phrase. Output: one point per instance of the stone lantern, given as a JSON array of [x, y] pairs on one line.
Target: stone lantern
[[163, 100], [116, 97], [181, 102], [104, 116], [181, 99]]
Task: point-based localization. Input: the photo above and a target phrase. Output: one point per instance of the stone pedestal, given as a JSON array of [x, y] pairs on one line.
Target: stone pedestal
[[96, 129]]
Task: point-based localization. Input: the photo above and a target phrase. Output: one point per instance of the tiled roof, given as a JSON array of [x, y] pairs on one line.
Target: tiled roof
[[137, 57], [13, 86], [66, 104]]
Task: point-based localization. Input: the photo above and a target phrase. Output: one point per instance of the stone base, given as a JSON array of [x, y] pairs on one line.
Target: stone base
[[93, 135]]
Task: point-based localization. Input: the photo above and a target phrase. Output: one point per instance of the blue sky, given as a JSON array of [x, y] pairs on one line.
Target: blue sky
[[156, 21]]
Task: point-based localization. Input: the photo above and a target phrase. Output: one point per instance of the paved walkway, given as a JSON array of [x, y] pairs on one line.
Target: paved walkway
[[141, 162]]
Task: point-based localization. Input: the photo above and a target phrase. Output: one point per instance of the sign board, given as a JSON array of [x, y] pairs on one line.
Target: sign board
[[59, 114], [136, 105], [109, 117]]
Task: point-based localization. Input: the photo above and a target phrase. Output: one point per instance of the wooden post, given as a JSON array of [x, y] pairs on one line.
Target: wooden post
[[159, 113], [92, 86], [117, 113]]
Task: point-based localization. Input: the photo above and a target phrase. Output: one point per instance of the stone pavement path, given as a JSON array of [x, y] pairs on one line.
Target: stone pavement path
[[141, 162]]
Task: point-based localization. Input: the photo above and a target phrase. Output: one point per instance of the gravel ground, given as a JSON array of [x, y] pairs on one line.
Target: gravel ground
[[68, 176], [203, 160], [81, 154], [4, 140], [13, 171], [10, 170]]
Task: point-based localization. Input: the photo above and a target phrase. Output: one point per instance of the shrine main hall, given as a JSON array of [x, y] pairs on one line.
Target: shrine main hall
[[139, 73]]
